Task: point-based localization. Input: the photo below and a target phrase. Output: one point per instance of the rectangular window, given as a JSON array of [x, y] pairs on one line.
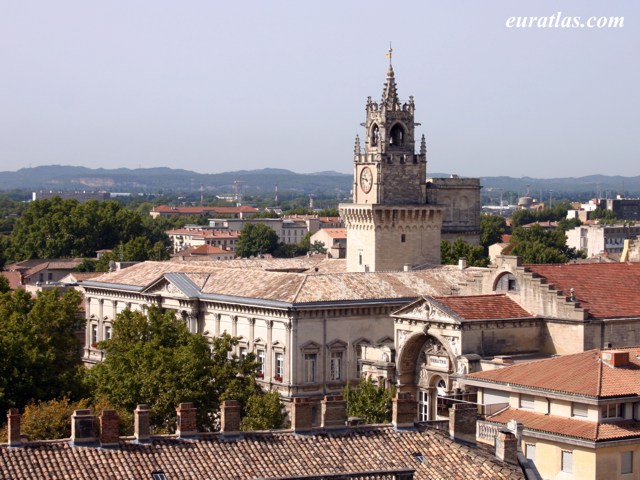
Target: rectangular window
[[423, 406], [261, 358], [49, 276], [527, 401], [243, 352], [310, 367], [530, 451], [279, 363], [94, 334], [626, 462], [612, 410], [567, 461], [359, 361], [107, 332], [579, 410], [336, 366], [403, 238]]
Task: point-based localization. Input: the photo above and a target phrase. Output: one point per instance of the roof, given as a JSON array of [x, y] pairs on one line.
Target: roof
[[288, 287], [598, 287], [258, 455], [205, 232], [569, 426], [337, 233], [484, 307], [14, 279], [209, 250], [582, 374]]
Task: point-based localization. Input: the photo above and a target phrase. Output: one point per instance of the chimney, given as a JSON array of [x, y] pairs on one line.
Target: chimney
[[13, 427], [404, 410], [82, 424], [616, 358], [334, 412], [301, 420], [507, 447], [462, 422], [230, 416], [186, 420], [462, 263], [109, 429], [141, 423]]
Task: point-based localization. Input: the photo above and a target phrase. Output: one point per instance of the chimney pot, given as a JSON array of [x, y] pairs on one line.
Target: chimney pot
[[109, 428], [13, 427], [187, 425], [230, 416], [82, 427], [141, 423]]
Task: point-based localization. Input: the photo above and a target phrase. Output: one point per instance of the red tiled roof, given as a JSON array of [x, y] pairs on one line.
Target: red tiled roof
[[569, 427], [607, 290], [14, 279], [579, 374], [208, 250], [258, 455], [484, 307], [337, 233]]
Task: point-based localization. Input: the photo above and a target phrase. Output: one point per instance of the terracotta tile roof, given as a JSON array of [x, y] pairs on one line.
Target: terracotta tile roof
[[258, 455], [336, 233], [14, 278], [204, 233], [289, 284], [606, 290], [569, 427], [208, 250], [484, 307], [578, 374]]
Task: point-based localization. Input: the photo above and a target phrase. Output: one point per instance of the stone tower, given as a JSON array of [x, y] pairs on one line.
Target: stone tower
[[390, 225]]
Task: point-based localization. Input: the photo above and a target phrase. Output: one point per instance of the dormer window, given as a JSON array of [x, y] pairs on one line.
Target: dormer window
[[506, 283]]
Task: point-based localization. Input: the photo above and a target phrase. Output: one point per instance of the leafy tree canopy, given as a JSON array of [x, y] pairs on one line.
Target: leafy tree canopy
[[492, 227], [369, 402], [451, 252], [154, 359], [264, 412], [38, 346], [256, 239], [537, 245]]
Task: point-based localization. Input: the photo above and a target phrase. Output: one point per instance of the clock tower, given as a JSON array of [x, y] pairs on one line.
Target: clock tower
[[390, 225]]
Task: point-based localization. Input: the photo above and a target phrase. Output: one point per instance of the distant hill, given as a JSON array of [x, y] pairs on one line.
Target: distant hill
[[162, 179]]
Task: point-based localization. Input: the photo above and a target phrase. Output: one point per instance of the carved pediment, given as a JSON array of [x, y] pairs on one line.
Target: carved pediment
[[165, 288], [426, 310]]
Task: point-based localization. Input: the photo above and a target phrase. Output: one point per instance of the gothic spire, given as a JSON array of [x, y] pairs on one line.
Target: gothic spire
[[390, 93]]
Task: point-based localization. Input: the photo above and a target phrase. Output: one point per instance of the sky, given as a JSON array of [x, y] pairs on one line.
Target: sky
[[214, 86]]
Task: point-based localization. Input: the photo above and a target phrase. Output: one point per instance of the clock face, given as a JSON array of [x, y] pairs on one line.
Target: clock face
[[366, 179]]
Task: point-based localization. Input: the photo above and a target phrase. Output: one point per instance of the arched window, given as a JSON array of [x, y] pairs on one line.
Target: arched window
[[397, 135], [506, 283], [375, 135]]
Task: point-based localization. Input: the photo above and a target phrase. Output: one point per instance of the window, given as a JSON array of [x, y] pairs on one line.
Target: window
[[107, 332], [336, 366], [527, 401], [261, 358], [94, 334], [243, 352], [359, 259], [626, 462], [403, 238], [359, 361], [530, 451], [613, 410], [310, 367], [506, 282], [279, 363], [567, 461], [579, 410], [49, 276], [423, 406]]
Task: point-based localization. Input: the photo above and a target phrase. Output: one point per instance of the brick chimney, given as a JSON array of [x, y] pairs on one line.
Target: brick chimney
[[82, 427], [186, 420], [616, 358], [507, 447], [334, 412], [230, 416], [141, 423], [301, 420], [462, 422], [13, 427], [404, 410], [109, 429]]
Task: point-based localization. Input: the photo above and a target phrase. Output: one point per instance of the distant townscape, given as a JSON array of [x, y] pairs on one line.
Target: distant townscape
[[386, 324]]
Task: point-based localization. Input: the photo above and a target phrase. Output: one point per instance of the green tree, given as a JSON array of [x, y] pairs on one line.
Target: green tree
[[318, 247], [451, 252], [369, 402], [537, 245], [264, 412], [39, 348], [51, 419], [87, 265], [4, 284], [492, 227], [256, 239], [154, 359]]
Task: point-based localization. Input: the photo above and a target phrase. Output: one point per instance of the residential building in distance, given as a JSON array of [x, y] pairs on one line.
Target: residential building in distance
[[36, 272], [596, 239], [242, 211], [623, 208], [578, 415], [82, 196], [334, 240], [192, 236]]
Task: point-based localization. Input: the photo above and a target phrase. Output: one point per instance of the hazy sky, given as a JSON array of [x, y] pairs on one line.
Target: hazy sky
[[215, 86]]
